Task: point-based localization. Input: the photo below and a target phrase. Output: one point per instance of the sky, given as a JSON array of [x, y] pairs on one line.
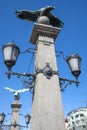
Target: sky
[[72, 39]]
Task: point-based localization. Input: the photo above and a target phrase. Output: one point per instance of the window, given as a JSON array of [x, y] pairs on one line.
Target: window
[[73, 128], [78, 127], [78, 121], [82, 120], [72, 117], [69, 125], [84, 126], [76, 116], [73, 122], [81, 115]]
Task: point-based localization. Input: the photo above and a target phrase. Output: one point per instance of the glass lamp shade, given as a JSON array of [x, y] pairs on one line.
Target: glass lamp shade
[[27, 119], [2, 117], [74, 64], [10, 53]]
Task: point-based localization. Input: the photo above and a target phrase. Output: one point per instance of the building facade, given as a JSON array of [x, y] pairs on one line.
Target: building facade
[[77, 119]]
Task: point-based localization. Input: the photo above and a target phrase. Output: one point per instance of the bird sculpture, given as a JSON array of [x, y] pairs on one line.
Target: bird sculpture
[[35, 15], [16, 92]]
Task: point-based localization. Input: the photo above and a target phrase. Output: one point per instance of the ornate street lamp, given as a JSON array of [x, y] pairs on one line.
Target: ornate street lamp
[[10, 53], [27, 119], [2, 117], [74, 64]]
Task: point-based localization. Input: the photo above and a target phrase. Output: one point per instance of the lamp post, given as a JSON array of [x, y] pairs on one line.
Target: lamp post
[[15, 113], [15, 117], [14, 125], [47, 110], [47, 99]]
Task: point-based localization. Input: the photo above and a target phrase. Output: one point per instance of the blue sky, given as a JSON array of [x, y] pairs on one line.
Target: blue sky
[[72, 39]]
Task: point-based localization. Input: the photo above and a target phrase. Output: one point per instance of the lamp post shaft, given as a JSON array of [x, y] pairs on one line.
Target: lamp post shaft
[[47, 111], [15, 114]]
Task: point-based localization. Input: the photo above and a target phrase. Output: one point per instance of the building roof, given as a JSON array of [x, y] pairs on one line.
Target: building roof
[[76, 110]]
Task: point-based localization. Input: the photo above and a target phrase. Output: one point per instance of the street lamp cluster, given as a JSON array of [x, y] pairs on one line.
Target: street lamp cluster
[[14, 124], [11, 52]]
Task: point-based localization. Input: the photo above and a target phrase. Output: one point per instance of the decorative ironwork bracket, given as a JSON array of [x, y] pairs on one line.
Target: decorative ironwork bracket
[[8, 126], [9, 73], [28, 83], [47, 71], [65, 82]]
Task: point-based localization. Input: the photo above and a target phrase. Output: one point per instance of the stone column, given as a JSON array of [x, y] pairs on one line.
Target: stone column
[[15, 113], [47, 111]]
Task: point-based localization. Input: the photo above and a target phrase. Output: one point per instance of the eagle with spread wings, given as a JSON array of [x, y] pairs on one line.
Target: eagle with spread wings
[[35, 15], [16, 92]]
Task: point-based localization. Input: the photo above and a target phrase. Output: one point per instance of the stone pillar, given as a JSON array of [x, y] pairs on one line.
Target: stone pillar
[[15, 113], [47, 111]]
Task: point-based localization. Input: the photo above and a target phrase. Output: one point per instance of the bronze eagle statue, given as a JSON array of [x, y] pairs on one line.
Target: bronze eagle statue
[[35, 15]]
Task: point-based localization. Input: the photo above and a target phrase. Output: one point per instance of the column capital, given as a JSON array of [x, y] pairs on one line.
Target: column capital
[[16, 105], [43, 30]]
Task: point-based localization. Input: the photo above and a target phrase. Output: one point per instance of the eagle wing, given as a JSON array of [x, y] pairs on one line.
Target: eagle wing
[[55, 21], [45, 10], [27, 15], [22, 90], [10, 89], [33, 15]]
